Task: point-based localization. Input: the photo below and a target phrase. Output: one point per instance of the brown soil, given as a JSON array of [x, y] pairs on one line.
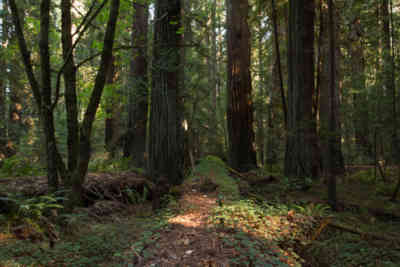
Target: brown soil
[[190, 239]]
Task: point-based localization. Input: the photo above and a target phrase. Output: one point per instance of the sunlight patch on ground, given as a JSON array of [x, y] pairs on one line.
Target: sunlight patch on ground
[[197, 208]]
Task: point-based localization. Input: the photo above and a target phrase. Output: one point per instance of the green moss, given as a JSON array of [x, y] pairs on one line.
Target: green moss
[[213, 169], [364, 176]]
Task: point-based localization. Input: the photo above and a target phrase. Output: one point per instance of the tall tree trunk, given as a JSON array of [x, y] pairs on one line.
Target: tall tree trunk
[[389, 79], [69, 73], [336, 165], [240, 108], [110, 127], [3, 75], [166, 133], [330, 134], [302, 152], [361, 116], [46, 94], [278, 62], [3, 126], [85, 131], [260, 115], [135, 142]]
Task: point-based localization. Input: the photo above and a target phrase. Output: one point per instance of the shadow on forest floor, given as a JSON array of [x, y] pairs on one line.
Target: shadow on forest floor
[[272, 225]]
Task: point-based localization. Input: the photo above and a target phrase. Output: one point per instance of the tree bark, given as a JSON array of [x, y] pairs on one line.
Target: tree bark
[[85, 131], [329, 82], [69, 73], [110, 124], [302, 152], [242, 153], [46, 93], [278, 62], [389, 80], [166, 133], [3, 72], [135, 143], [361, 116]]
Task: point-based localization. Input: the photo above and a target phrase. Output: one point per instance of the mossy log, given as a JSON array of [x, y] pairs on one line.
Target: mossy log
[[121, 187]]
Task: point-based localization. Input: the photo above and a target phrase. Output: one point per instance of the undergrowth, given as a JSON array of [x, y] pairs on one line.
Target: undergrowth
[[16, 166]]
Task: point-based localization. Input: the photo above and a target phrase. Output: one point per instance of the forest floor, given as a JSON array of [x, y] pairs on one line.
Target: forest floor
[[215, 219]]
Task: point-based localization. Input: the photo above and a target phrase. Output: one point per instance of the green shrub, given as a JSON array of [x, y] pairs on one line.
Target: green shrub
[[19, 166], [113, 165], [30, 210]]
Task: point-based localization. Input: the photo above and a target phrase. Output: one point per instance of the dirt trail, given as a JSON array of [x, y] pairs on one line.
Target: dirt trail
[[188, 240]]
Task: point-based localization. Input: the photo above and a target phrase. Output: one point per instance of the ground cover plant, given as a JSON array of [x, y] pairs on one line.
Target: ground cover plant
[[208, 222]]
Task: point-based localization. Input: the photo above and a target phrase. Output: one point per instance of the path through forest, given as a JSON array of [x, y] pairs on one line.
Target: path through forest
[[191, 238]]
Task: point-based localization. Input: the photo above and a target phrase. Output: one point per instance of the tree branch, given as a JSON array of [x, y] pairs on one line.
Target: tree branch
[[85, 27], [26, 57], [124, 47]]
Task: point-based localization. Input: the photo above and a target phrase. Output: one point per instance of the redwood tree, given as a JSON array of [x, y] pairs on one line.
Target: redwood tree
[[301, 157], [242, 154], [329, 81], [166, 132], [135, 141]]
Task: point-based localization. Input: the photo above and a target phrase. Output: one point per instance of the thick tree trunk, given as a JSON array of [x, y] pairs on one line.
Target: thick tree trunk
[[242, 154], [302, 152], [135, 142], [166, 133]]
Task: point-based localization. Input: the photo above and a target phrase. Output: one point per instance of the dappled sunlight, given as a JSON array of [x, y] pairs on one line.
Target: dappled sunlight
[[194, 237], [197, 210]]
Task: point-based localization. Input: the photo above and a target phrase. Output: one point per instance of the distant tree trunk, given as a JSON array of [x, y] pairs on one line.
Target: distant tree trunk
[[166, 132], [3, 126], [110, 124], [329, 98], [15, 123], [15, 98], [135, 142], [217, 146], [361, 116], [278, 62], [260, 115], [336, 165], [389, 79], [240, 108], [3, 73], [302, 153], [18, 99]]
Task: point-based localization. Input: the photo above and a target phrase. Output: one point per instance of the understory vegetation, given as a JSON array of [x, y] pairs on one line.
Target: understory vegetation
[[253, 220], [208, 133]]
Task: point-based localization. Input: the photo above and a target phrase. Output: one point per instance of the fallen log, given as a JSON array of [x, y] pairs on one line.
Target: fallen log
[[366, 235], [125, 187]]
